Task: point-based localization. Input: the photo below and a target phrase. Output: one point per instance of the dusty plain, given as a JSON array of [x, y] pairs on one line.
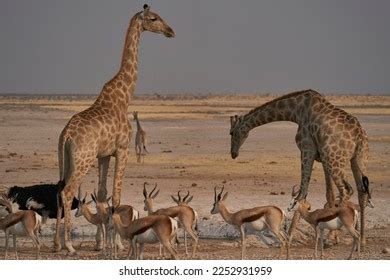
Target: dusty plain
[[188, 143]]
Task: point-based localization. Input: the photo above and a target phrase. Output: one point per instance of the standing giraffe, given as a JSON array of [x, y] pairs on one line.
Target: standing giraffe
[[325, 133], [102, 130], [140, 140]]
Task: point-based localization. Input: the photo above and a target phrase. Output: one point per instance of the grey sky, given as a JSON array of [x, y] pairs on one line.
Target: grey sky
[[74, 46]]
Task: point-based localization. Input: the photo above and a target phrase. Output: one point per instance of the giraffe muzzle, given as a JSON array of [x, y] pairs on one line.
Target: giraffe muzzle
[[168, 32]]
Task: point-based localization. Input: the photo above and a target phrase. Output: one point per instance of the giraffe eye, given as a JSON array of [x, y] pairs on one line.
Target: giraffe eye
[[153, 19]]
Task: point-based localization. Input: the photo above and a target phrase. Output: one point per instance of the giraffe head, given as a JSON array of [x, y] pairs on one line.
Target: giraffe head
[[238, 132], [135, 115], [154, 23], [295, 199]]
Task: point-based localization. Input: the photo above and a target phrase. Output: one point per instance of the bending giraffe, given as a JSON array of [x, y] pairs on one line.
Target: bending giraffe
[[102, 130], [325, 133], [140, 140]]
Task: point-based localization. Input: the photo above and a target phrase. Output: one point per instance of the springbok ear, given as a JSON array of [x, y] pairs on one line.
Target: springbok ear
[[225, 196]]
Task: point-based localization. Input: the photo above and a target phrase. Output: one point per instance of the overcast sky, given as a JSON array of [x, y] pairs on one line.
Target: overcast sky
[[221, 46]]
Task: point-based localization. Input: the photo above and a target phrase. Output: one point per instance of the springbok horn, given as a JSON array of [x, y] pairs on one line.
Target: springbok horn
[[178, 196], [220, 193], [94, 193], [145, 192], [188, 193], [155, 186], [215, 193]]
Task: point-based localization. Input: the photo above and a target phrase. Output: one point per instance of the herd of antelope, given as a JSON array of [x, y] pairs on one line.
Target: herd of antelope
[[115, 224]]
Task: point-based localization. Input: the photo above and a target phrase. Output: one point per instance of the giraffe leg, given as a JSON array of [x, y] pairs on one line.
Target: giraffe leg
[[307, 160], [67, 195], [104, 163], [362, 193], [57, 242], [121, 157], [330, 198]]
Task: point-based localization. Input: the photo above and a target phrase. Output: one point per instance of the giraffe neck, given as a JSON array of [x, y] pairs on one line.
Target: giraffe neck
[[120, 88], [225, 213], [138, 124], [291, 107]]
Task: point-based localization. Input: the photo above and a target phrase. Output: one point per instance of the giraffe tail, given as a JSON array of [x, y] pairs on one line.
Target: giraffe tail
[[61, 155]]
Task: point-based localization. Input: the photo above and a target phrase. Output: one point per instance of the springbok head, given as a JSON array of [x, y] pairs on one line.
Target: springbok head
[[81, 202], [294, 198], [148, 201], [218, 200]]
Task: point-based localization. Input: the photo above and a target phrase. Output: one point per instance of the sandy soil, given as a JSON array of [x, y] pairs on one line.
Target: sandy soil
[[189, 142]]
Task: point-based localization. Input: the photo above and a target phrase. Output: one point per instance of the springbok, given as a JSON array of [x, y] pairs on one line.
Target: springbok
[[149, 229], [126, 212], [184, 202], [252, 220], [93, 218], [140, 140], [334, 234], [22, 223], [329, 218], [184, 213]]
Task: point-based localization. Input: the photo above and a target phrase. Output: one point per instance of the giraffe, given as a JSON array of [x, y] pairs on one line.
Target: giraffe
[[102, 130], [325, 133], [140, 140]]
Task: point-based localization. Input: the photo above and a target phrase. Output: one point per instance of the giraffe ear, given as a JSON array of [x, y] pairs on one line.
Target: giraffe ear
[[232, 121]]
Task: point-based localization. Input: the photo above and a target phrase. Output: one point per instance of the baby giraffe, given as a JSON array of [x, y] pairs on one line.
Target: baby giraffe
[[329, 218], [251, 220], [140, 140]]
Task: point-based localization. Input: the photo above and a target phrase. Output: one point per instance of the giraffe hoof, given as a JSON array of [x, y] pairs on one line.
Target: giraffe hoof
[[70, 254], [56, 249]]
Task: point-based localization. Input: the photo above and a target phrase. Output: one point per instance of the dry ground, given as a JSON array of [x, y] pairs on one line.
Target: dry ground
[[189, 150]]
